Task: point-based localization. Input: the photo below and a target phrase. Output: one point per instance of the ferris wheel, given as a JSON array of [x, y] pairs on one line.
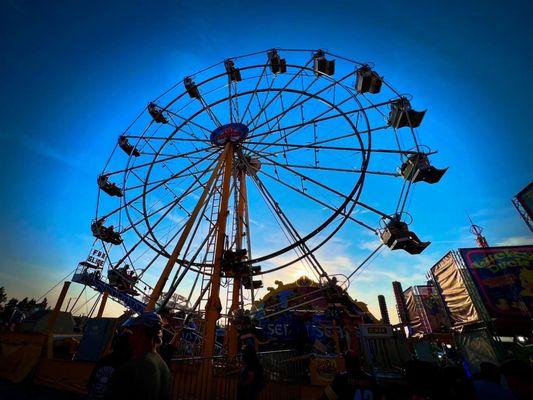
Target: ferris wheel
[[250, 166]]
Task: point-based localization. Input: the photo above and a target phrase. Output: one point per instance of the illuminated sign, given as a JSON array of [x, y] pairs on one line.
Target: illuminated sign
[[504, 278]]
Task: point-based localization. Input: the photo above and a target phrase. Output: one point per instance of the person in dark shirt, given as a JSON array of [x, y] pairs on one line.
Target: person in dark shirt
[[251, 376], [488, 386], [145, 376], [518, 376], [353, 383], [107, 365]]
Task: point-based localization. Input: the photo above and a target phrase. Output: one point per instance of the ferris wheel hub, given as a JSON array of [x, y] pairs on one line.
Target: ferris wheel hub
[[233, 132]]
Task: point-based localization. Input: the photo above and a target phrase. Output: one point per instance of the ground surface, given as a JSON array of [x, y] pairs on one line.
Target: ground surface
[[28, 391]]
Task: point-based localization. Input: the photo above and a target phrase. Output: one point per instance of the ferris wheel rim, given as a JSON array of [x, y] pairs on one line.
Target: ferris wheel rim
[[357, 188]]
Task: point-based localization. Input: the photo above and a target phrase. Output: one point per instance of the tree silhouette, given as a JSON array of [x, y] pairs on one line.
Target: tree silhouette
[[3, 295]]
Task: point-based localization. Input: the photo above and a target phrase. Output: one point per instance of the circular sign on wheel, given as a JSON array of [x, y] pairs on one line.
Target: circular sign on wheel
[[234, 132]]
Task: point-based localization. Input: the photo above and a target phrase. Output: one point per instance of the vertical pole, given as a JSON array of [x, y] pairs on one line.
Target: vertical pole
[[53, 317], [102, 305], [214, 306], [158, 289], [383, 310], [233, 341], [68, 304]]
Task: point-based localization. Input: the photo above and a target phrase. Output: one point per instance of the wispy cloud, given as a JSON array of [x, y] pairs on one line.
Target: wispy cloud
[[516, 241], [43, 149]]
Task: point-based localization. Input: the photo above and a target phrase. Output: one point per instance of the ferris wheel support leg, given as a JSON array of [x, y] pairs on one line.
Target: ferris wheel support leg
[[53, 318], [214, 306], [102, 304], [233, 341], [158, 289]]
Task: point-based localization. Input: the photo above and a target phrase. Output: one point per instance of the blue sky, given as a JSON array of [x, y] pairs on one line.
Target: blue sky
[[74, 74]]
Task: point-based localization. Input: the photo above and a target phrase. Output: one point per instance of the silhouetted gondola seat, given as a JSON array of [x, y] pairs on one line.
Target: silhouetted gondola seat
[[368, 80], [191, 88], [401, 114], [251, 165], [277, 64], [248, 283], [125, 145], [156, 113], [119, 278], [107, 234], [417, 168], [109, 187], [396, 235], [232, 261], [234, 73], [323, 65]]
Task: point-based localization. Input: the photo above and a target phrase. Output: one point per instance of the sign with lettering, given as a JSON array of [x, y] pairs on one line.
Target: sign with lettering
[[97, 258], [504, 278]]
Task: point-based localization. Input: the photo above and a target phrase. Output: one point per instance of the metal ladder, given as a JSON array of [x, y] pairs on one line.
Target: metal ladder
[[209, 257]]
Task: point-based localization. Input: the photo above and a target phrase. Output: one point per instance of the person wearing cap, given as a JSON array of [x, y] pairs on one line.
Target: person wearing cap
[[145, 376]]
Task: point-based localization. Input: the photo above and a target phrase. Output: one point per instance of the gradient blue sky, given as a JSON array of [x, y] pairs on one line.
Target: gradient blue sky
[[73, 74]]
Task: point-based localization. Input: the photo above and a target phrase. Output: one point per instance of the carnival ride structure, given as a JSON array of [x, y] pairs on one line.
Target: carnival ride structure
[[248, 167]]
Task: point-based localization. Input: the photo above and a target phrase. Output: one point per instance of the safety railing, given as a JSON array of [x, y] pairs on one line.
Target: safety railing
[[217, 378]]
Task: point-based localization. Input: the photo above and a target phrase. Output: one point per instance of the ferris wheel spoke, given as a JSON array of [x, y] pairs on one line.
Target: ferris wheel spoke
[[261, 105], [303, 147], [284, 112], [302, 124], [131, 201], [165, 165], [307, 178], [249, 103], [180, 275], [322, 203], [197, 184], [208, 110], [289, 228], [166, 138], [162, 180], [312, 121], [213, 149], [278, 93], [165, 245], [298, 104], [175, 202], [320, 168], [188, 121]]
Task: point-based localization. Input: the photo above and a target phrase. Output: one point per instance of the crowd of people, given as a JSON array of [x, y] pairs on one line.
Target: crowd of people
[[427, 381], [136, 368]]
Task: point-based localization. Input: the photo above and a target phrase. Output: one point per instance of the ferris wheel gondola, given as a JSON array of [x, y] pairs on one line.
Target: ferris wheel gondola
[[281, 146]]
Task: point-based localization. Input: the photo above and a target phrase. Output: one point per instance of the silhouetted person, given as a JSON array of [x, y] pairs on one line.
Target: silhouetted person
[[518, 375], [422, 380], [455, 384], [352, 383], [251, 376], [145, 376], [107, 365], [488, 386]]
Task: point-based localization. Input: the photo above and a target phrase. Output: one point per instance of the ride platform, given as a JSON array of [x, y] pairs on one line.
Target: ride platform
[[97, 284]]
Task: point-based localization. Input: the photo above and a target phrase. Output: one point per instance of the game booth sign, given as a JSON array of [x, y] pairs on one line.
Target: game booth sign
[[488, 294], [503, 277], [425, 310], [300, 315]]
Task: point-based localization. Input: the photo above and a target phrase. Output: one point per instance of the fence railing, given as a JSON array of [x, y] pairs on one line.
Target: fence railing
[[217, 378]]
